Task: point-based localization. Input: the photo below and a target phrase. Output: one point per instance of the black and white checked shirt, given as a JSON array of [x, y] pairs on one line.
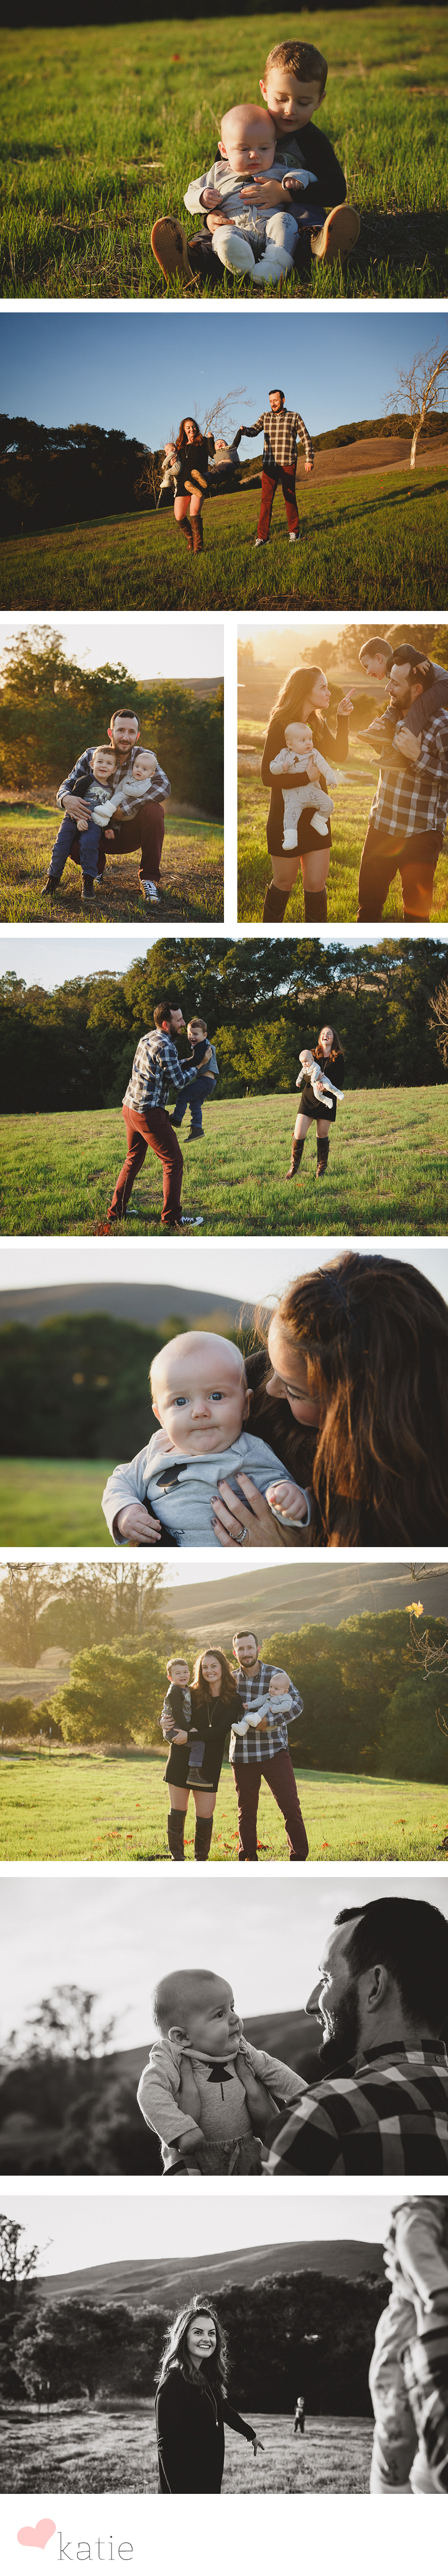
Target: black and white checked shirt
[[387, 2115], [274, 1739], [156, 1071], [283, 432], [414, 797]]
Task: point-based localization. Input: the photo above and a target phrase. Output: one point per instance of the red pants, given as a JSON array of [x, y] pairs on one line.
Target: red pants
[[143, 1128], [417, 862], [145, 833], [287, 478], [280, 1779]]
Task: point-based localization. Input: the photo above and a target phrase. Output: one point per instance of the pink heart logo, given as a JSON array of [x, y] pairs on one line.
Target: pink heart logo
[[36, 2539]]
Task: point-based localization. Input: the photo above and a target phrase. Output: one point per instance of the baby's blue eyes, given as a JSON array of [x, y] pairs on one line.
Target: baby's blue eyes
[[216, 1398], [180, 1399]]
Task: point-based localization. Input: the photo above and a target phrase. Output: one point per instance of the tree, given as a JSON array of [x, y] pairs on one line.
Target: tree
[[111, 1698], [421, 386], [64, 2024]]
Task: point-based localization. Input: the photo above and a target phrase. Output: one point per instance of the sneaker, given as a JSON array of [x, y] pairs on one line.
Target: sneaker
[[170, 246], [338, 236], [88, 889], [195, 1136], [294, 536], [182, 1224], [149, 889], [261, 541]]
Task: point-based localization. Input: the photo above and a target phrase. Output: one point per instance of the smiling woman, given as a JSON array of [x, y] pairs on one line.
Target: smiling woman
[[192, 2406]]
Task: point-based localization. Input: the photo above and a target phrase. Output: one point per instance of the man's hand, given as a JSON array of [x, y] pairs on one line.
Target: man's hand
[[76, 805], [212, 200], [263, 192], [309, 468], [134, 1523], [408, 743], [257, 2097]]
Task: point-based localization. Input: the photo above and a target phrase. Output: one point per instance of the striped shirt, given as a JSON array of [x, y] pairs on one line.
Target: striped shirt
[[415, 798], [156, 1071], [389, 2114], [283, 431], [254, 1747]]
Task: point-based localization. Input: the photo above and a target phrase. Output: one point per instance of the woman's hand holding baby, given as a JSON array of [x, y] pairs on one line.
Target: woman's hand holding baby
[[289, 1499], [230, 1517], [134, 1524]]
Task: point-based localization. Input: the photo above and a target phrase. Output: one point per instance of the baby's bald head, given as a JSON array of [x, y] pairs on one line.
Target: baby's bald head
[[196, 2007], [248, 138], [199, 1392]]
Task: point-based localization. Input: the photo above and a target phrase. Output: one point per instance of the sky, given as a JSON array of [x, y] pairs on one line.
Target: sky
[[117, 1935], [244, 1269], [151, 652], [88, 2229], [139, 371], [54, 958]]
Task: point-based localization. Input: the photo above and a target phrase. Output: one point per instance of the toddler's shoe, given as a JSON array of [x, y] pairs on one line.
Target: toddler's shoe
[[338, 234], [88, 889], [50, 884], [149, 889], [274, 264], [195, 1136]]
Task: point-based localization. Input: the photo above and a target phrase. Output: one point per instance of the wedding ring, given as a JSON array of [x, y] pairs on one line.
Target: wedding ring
[[244, 1533]]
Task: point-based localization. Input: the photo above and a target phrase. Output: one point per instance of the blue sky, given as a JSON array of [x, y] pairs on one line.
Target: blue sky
[[138, 371]]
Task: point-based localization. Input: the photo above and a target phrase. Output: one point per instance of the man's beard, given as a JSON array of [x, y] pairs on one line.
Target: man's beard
[[400, 705], [345, 2033]]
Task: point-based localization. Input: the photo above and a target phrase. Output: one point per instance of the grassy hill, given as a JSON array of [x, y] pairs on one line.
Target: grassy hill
[[162, 2284], [191, 884]]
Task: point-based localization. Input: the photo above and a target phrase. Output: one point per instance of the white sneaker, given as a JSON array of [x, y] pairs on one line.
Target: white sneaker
[[149, 890], [190, 1221], [261, 541], [294, 537]]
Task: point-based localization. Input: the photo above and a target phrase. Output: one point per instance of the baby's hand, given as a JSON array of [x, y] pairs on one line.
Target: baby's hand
[[134, 1523], [258, 2099], [193, 2151], [211, 200], [109, 836], [288, 1499]]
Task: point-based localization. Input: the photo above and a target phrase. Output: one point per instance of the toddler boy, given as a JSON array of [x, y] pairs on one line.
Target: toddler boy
[[201, 1399], [176, 1714], [293, 88], [203, 1080], [205, 2087]]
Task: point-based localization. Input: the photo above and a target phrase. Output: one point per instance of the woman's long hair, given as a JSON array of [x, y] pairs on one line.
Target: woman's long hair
[[181, 440], [335, 1050], [175, 2353], [376, 1339], [228, 1689], [291, 698]]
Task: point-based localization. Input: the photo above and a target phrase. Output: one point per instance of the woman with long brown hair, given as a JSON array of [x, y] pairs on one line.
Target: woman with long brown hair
[[192, 2405], [359, 1358], [328, 1054], [193, 451], [304, 699], [214, 1704]]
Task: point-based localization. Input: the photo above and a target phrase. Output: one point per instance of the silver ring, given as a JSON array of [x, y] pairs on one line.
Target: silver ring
[[244, 1533]]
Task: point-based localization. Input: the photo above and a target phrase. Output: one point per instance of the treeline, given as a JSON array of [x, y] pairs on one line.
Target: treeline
[[397, 425], [368, 1706], [51, 708], [50, 478], [114, 2351], [116, 1603], [263, 1001], [77, 1386]]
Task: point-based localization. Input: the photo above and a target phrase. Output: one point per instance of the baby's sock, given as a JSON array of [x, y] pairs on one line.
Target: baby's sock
[[233, 250], [274, 264], [319, 825]]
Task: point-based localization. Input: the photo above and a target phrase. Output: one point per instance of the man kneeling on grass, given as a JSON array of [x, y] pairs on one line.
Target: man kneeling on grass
[[142, 832]]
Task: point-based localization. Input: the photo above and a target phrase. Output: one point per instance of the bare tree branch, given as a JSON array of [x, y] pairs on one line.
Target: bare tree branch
[[419, 387]]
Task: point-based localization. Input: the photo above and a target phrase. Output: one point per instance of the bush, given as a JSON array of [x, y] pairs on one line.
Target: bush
[[112, 1698]]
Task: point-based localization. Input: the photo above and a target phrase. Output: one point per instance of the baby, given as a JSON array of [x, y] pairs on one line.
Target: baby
[[277, 1704], [205, 2088], [299, 753], [202, 1401], [169, 477], [176, 1714], [317, 1075], [248, 144]]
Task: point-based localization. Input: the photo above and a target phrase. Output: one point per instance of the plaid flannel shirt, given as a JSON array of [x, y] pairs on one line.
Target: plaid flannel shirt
[[414, 798], [79, 778], [387, 2115], [274, 1739], [156, 1071], [283, 431]]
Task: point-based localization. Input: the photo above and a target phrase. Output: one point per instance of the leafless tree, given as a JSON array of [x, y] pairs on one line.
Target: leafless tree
[[419, 387]]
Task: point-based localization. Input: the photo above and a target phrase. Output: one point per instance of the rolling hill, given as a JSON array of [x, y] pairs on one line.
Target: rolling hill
[[161, 2284]]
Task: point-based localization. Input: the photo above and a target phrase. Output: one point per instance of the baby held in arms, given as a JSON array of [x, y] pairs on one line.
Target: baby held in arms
[[202, 1402], [315, 1073], [206, 2088], [302, 758], [278, 1703]]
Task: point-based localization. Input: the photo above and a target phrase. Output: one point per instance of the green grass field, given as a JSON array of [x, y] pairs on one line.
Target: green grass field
[[387, 1173], [369, 541], [100, 137], [352, 799], [51, 1502], [80, 1806], [191, 886]]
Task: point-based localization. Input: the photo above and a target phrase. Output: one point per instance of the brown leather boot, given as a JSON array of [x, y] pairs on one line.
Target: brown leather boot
[[186, 532], [175, 1826], [323, 1149], [198, 540], [297, 1145], [202, 1837]]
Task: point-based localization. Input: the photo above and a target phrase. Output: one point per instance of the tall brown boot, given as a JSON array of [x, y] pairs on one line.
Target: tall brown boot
[[175, 1826], [198, 539], [323, 1149], [203, 1836], [297, 1145], [186, 532]]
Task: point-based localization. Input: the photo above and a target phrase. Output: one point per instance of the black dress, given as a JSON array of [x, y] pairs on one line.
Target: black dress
[[193, 466], [190, 2419], [334, 747], [318, 1108], [213, 1721]]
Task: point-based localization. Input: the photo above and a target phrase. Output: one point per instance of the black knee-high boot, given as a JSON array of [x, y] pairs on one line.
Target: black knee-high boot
[[175, 1826], [297, 1145], [323, 1149], [275, 903], [203, 1836], [315, 905]]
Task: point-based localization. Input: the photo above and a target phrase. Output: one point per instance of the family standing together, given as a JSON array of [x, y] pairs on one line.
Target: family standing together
[[407, 818]]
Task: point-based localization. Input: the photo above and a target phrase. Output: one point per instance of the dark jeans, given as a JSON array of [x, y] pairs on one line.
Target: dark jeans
[[191, 1097], [145, 833], [143, 1128], [86, 851], [269, 480], [416, 860], [280, 1779]]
